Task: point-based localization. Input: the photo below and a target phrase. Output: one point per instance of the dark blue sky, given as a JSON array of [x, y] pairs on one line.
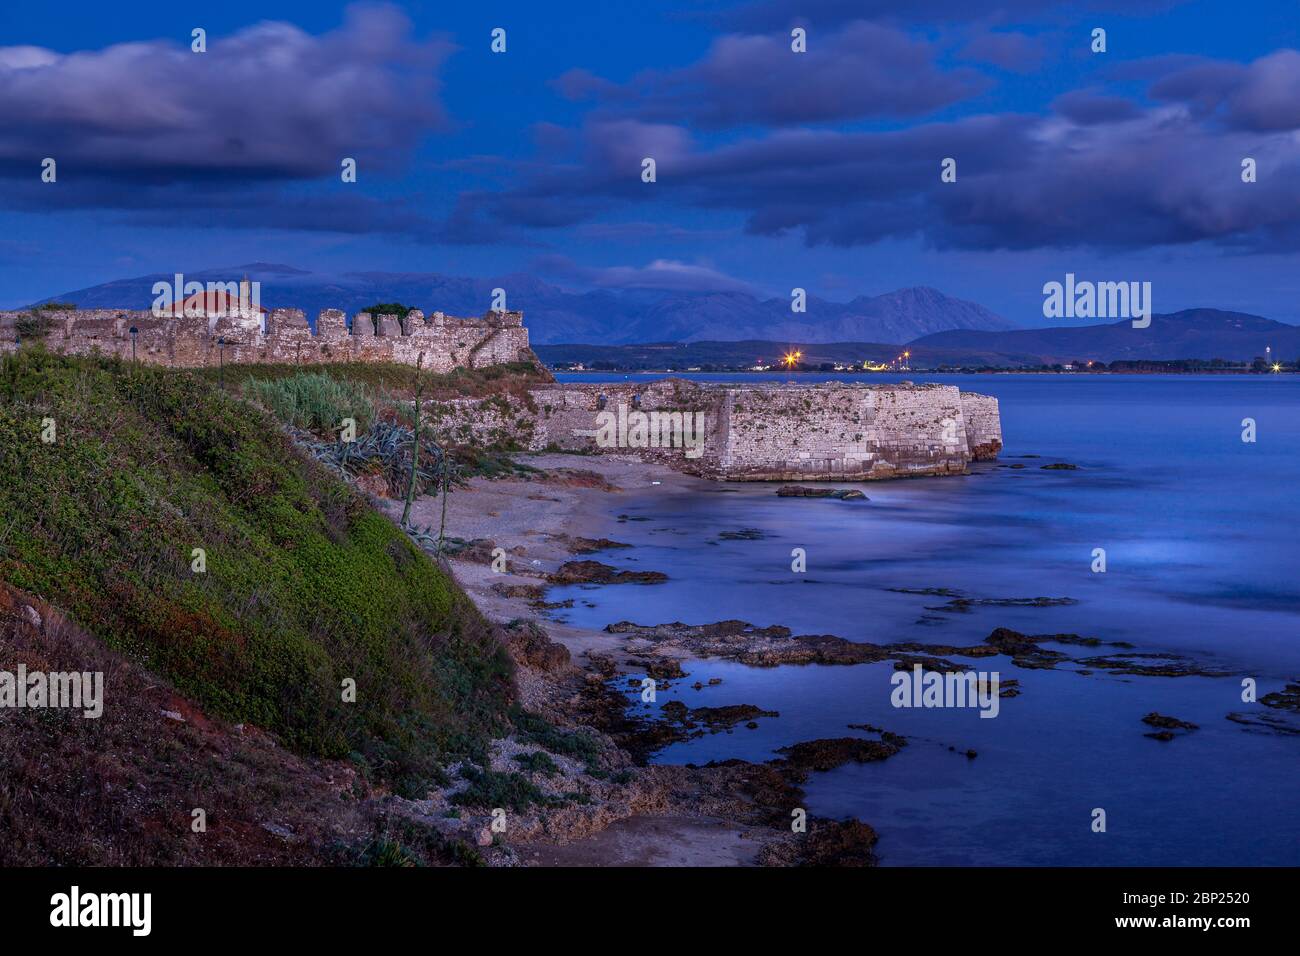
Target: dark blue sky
[[776, 169]]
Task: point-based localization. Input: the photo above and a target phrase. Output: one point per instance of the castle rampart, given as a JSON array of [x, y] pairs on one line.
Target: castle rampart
[[742, 432], [199, 341]]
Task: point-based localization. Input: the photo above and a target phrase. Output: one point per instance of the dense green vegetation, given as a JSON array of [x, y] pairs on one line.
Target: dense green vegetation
[[390, 380], [314, 400], [304, 586]]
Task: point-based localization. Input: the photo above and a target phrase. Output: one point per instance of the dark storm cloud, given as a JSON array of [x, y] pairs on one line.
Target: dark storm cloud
[[863, 70], [1087, 107], [1263, 96], [227, 205], [1098, 176], [1098, 170], [270, 102]]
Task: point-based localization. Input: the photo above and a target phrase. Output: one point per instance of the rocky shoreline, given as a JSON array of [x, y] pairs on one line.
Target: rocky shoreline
[[592, 798], [611, 806]]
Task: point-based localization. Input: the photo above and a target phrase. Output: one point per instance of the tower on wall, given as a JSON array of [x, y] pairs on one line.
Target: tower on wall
[[248, 316]]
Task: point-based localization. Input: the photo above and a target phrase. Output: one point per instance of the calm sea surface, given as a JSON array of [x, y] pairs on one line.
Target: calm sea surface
[[1202, 540]]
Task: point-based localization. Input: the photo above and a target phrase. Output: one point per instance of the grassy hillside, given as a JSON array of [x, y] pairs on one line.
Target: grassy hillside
[[304, 587]]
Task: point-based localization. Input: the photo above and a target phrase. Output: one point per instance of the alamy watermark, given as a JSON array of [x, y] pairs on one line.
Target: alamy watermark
[[133, 911], [656, 429], [1098, 300], [921, 688], [69, 690]]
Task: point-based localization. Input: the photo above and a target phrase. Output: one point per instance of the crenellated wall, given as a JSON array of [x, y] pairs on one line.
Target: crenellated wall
[[775, 432], [194, 342], [746, 432]]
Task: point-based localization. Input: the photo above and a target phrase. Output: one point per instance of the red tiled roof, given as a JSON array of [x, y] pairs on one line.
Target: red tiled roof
[[217, 302]]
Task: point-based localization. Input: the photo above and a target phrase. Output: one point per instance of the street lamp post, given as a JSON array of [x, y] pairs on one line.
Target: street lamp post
[[134, 333], [221, 359]]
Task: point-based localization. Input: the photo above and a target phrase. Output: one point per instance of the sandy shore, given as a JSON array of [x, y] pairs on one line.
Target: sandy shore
[[536, 522], [658, 815]]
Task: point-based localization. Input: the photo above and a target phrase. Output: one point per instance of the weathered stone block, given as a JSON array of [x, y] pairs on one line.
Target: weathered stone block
[[331, 323], [283, 320], [363, 324]]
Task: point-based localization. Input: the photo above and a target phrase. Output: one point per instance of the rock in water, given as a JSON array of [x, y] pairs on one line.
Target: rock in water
[[803, 491]]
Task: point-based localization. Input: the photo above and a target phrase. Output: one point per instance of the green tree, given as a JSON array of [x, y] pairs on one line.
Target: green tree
[[388, 308], [33, 325]]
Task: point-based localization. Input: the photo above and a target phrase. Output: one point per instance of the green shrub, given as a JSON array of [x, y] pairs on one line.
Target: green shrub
[[538, 761], [488, 790], [535, 729], [314, 401], [35, 324], [388, 308]]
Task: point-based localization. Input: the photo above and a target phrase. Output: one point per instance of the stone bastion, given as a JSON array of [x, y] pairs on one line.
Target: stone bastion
[[776, 432]]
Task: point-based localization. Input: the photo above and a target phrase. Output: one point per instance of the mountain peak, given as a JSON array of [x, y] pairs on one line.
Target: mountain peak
[[275, 268]]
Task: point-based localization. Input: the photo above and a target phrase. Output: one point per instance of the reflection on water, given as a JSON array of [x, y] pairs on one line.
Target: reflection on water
[[1200, 535]]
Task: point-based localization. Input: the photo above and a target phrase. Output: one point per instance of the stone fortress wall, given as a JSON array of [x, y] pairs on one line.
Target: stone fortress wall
[[759, 432], [198, 341], [776, 432]]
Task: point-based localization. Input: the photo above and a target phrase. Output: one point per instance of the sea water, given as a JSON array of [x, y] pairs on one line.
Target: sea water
[[1201, 535]]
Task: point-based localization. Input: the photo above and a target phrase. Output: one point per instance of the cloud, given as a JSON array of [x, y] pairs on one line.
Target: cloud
[[863, 70], [662, 274], [223, 205], [1009, 50], [268, 103], [1262, 96], [1088, 107], [642, 231], [1097, 172]]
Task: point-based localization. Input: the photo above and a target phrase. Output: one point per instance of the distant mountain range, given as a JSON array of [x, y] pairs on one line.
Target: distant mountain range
[[1192, 333], [607, 316], [738, 328]]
